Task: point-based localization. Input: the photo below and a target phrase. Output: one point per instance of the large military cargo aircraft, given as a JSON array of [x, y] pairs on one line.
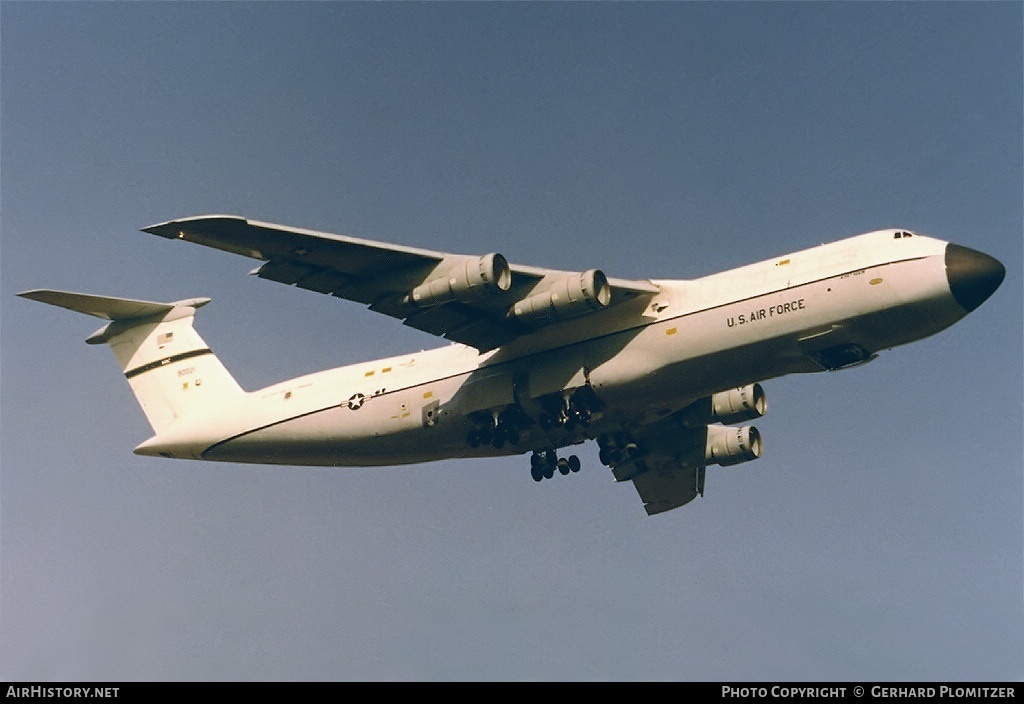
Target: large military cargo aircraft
[[658, 372]]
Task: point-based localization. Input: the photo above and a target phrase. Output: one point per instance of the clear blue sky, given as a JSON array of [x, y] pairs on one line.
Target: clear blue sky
[[879, 538]]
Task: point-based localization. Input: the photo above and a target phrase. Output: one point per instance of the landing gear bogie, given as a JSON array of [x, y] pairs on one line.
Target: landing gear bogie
[[544, 464], [497, 429], [616, 448], [570, 410]]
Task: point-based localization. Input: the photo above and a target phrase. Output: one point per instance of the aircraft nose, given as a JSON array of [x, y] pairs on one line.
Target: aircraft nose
[[973, 276]]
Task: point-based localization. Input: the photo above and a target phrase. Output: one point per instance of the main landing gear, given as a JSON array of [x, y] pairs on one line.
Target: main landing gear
[[496, 429], [616, 448], [543, 464], [569, 411], [559, 416]]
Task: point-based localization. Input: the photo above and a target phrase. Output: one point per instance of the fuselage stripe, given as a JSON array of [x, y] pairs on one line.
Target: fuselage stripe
[[164, 361]]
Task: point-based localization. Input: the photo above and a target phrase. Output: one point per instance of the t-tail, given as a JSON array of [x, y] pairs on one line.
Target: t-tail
[[172, 372]]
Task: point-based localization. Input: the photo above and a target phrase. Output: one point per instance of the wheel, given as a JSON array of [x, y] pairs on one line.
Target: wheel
[[563, 466], [574, 463], [498, 439], [537, 473], [550, 462]]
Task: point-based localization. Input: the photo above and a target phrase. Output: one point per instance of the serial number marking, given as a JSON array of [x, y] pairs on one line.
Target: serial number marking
[[766, 313]]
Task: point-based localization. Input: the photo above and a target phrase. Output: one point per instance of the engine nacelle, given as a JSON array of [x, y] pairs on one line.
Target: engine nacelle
[[727, 445], [576, 294], [469, 280], [736, 405], [732, 406]]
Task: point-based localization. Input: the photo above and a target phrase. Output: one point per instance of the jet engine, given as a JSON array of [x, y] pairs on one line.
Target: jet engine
[[468, 280], [727, 445], [735, 405], [690, 447], [573, 295], [732, 406]]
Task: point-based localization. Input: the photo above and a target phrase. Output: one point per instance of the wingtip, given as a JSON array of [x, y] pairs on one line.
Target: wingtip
[[42, 295], [162, 229], [174, 229]]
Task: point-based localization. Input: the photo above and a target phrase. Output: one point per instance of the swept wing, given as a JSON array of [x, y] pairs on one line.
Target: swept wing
[[481, 301]]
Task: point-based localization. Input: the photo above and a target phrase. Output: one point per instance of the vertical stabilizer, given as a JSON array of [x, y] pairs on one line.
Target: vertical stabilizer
[[172, 372]]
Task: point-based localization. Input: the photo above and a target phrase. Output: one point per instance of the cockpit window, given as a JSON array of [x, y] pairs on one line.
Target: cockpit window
[[902, 233]]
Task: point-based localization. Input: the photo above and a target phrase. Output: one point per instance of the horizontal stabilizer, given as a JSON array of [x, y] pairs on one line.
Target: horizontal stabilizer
[[107, 307]]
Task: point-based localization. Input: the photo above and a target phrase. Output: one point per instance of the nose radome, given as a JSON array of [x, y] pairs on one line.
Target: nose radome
[[973, 276]]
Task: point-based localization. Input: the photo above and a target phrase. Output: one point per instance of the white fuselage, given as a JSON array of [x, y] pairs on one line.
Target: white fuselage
[[643, 360]]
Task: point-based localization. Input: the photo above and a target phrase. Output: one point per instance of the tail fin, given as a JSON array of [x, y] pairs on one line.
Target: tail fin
[[169, 367]]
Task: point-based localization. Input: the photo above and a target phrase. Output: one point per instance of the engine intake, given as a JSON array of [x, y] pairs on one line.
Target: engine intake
[[576, 294], [468, 280], [727, 445]]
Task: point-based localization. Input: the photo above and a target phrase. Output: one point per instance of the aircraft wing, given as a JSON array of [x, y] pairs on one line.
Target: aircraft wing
[[480, 301], [668, 484]]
